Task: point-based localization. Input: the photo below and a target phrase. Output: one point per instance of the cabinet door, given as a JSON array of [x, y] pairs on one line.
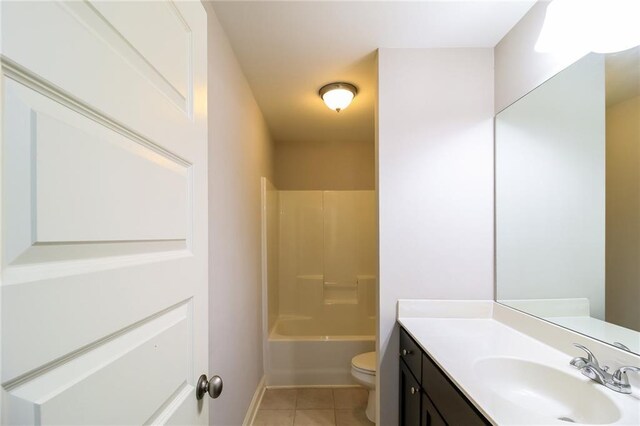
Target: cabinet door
[[430, 416], [409, 397]]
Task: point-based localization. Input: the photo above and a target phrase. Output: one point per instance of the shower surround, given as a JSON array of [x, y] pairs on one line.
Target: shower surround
[[320, 283]]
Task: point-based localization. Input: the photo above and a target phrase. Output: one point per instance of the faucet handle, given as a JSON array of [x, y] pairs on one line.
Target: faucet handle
[[580, 362], [621, 346], [620, 376], [620, 381]]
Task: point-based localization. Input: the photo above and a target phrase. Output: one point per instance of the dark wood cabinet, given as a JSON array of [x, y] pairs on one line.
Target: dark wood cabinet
[[410, 394], [411, 354], [430, 416], [427, 396]]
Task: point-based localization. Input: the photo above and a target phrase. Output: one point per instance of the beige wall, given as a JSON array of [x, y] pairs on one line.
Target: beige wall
[[435, 187], [240, 152], [325, 166], [623, 214]]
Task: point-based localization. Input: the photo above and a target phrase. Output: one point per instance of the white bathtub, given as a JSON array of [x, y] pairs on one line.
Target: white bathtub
[[298, 356]]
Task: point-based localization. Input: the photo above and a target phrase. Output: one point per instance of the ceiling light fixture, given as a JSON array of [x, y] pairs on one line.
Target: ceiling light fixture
[[338, 96]]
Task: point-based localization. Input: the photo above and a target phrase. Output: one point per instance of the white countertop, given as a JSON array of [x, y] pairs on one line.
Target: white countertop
[[456, 336]]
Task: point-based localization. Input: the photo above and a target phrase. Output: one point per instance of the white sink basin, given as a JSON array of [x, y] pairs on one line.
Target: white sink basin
[[547, 391]]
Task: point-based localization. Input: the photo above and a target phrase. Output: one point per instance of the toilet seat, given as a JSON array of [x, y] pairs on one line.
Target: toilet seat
[[365, 363]]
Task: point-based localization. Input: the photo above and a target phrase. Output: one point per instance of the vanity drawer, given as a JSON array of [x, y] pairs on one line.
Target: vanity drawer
[[452, 405], [410, 352]]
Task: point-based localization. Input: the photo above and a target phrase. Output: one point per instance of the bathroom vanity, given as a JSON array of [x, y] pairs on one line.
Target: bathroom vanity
[[427, 396], [479, 362]]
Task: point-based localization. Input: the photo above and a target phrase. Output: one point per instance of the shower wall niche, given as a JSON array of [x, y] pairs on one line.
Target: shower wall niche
[[326, 263]]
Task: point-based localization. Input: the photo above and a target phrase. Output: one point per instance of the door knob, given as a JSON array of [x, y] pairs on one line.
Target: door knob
[[213, 387]]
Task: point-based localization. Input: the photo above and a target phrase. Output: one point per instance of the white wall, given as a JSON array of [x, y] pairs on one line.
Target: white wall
[[240, 152], [550, 190], [518, 67], [435, 182]]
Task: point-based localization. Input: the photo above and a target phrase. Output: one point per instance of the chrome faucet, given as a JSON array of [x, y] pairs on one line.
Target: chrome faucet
[[621, 380], [590, 367], [580, 362]]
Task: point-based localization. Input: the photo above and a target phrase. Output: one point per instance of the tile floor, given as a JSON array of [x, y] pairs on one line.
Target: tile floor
[[313, 406]]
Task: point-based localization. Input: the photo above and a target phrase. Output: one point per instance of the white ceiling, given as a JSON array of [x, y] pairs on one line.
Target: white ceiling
[[288, 50]]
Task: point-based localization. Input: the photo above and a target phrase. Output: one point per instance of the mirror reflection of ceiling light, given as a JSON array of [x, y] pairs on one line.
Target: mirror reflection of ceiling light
[[601, 26], [338, 96]]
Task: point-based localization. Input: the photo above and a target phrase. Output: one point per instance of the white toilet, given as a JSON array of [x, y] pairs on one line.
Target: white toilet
[[363, 369]]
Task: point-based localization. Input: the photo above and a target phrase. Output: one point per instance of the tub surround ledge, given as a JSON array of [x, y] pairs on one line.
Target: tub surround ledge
[[461, 335]]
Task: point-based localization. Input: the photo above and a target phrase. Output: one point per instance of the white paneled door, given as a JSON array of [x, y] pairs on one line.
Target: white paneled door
[[104, 203]]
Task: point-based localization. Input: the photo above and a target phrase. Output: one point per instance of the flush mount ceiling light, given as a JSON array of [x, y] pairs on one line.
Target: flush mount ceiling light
[[338, 96], [601, 26]]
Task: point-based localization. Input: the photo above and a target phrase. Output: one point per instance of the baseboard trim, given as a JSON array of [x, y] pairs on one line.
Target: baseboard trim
[[311, 386], [255, 402]]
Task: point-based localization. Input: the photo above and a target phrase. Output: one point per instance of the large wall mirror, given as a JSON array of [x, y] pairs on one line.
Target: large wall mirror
[[568, 200]]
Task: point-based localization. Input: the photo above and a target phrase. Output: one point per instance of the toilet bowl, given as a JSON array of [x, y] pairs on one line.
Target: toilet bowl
[[363, 370]]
